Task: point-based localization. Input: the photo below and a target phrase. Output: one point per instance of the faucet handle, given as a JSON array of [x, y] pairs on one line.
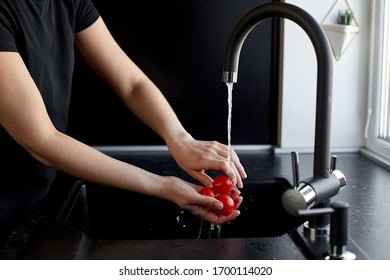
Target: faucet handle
[[295, 169], [333, 162], [338, 173]]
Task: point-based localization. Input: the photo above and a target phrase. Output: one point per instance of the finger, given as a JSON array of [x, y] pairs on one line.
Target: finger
[[222, 165], [238, 164], [235, 171], [224, 219], [209, 215], [237, 202], [233, 174], [217, 160], [208, 202], [215, 219], [237, 175], [235, 193], [201, 176]]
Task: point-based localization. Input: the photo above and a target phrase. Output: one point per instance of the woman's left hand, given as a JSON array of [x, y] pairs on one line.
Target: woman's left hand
[[187, 196]]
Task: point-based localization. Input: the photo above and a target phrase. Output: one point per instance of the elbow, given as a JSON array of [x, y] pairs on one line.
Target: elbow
[[41, 148]]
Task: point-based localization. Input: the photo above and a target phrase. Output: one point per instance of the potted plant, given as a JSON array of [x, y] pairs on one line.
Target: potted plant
[[341, 33], [345, 17]]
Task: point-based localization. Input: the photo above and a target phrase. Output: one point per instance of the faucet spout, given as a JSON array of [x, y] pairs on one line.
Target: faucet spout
[[324, 69]]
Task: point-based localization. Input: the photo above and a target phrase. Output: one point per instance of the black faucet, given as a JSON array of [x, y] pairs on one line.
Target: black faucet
[[326, 180]]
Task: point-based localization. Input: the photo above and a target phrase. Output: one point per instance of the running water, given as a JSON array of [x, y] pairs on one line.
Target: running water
[[209, 230], [214, 227], [229, 121]]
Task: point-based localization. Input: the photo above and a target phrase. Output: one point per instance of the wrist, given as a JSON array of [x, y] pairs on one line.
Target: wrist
[[177, 140], [168, 189]]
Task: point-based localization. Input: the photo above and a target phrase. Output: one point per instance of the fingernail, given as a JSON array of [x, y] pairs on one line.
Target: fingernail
[[218, 206]]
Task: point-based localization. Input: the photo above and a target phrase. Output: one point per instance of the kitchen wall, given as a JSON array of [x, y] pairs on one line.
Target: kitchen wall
[[185, 60], [181, 45], [350, 83]]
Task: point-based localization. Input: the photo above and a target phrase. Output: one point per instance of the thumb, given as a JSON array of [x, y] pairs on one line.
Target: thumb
[[202, 177], [211, 203]]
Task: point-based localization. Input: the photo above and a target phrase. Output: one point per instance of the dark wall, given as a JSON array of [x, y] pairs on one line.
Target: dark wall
[[180, 45]]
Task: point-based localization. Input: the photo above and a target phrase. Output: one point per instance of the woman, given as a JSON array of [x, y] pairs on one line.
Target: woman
[[37, 40]]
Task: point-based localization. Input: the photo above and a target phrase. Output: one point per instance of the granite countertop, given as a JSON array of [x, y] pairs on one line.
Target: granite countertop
[[367, 191]]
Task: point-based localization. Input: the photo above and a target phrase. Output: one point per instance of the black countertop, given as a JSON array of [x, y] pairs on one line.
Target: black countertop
[[367, 191]]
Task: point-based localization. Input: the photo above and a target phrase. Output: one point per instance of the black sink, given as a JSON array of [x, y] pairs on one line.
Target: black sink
[[112, 214]]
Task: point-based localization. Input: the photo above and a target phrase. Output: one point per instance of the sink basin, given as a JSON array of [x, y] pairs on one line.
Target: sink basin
[[98, 222], [112, 214]]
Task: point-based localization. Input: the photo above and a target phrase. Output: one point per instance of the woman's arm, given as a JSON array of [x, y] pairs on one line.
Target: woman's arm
[[143, 98], [23, 115]]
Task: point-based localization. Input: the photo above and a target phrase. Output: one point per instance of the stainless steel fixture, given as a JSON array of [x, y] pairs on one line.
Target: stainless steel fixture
[[326, 180]]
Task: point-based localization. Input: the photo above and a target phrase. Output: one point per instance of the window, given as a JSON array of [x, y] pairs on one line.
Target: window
[[378, 120]]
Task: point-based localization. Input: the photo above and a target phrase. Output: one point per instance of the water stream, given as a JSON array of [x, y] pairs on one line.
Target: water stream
[[229, 120], [209, 230]]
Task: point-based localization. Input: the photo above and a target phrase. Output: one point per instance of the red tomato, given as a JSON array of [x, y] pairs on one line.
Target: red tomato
[[207, 191], [228, 205], [222, 184]]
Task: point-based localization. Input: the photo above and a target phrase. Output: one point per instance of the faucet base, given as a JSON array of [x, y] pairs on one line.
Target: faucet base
[[346, 256], [315, 233], [319, 248]]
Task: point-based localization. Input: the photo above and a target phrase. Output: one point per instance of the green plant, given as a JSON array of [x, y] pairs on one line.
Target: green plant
[[345, 17]]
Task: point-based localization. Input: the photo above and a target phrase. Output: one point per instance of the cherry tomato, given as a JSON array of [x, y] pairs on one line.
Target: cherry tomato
[[222, 184], [208, 191], [228, 205]]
